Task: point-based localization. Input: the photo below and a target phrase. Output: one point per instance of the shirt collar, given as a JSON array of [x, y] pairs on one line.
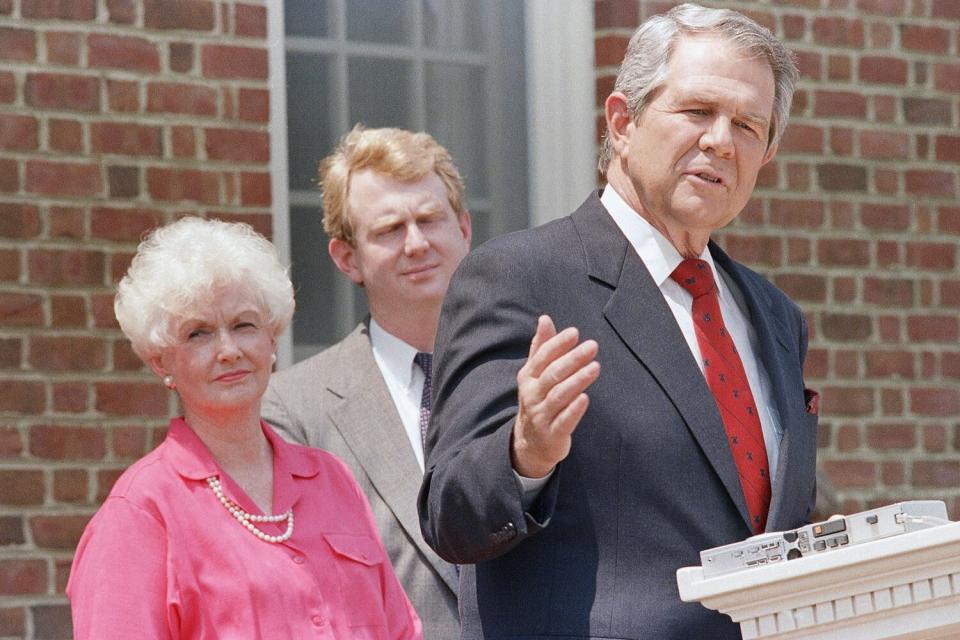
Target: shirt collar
[[658, 254], [191, 458], [395, 354]]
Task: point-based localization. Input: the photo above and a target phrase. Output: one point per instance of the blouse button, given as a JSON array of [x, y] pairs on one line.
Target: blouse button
[[317, 621], [299, 559]]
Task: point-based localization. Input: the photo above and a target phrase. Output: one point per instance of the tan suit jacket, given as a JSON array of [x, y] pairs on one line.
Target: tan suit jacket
[[338, 401]]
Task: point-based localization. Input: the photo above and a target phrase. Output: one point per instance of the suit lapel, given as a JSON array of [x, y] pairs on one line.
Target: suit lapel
[[367, 419], [641, 318]]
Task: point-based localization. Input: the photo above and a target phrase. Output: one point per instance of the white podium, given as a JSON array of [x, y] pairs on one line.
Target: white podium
[[904, 587]]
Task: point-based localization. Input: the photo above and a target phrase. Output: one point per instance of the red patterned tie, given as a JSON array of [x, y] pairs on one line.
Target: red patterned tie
[[731, 390]]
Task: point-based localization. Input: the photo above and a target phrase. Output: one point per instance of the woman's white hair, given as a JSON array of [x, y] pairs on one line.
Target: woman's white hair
[[647, 60], [178, 266]]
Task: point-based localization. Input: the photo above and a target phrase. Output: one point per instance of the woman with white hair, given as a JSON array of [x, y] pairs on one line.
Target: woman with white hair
[[225, 530]]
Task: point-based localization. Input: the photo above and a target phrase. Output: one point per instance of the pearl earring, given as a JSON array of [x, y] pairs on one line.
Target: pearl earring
[[169, 383]]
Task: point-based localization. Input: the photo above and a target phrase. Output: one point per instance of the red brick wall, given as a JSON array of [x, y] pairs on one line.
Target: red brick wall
[[115, 115], [858, 220]]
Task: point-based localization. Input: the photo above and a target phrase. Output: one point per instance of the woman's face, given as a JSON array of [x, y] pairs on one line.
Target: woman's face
[[221, 358]]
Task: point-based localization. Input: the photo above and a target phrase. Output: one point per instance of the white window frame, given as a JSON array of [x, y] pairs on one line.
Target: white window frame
[[560, 118]]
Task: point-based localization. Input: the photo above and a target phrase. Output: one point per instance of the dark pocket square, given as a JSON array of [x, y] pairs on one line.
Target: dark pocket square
[[812, 398]]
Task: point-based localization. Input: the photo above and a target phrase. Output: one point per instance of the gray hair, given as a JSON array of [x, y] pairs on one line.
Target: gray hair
[[645, 64], [178, 266]]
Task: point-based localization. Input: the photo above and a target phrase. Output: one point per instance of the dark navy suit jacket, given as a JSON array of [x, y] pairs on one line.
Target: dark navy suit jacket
[[649, 481]]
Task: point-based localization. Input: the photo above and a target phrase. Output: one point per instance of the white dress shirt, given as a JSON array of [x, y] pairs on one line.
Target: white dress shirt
[[661, 258], [404, 380]]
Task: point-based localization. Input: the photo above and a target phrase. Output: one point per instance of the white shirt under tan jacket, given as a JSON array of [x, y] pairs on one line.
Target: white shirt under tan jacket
[[338, 401]]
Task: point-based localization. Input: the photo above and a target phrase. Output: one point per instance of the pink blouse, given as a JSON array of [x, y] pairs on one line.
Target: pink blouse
[[163, 558]]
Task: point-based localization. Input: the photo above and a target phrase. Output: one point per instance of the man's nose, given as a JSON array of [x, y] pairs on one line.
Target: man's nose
[[415, 239], [718, 137]]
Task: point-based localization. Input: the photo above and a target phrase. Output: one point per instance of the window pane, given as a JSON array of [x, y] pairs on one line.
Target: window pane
[[456, 102], [454, 24], [306, 18], [387, 21], [309, 115], [380, 92], [312, 274]]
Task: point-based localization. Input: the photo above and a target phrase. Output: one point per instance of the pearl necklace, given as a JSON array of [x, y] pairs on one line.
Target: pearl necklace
[[247, 519]]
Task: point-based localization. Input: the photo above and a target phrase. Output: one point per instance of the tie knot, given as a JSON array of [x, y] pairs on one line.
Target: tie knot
[[695, 276], [424, 361]]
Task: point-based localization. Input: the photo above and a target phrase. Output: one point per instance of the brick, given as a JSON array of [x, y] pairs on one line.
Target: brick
[[24, 576], [119, 264], [948, 149], [803, 287], [123, 96], [67, 266], [102, 307], [9, 176], [6, 7], [846, 474], [839, 67], [929, 183], [63, 179], [66, 222], [184, 142], [21, 487], [9, 265], [11, 533], [63, 47], [121, 11], [884, 144], [18, 44], [183, 184], [949, 219], [935, 438], [809, 64], [926, 111], [122, 52], [883, 7], [179, 97], [883, 70], [224, 61], [68, 311], [123, 225], [22, 396], [841, 177], [886, 182], [129, 443], [237, 145], [105, 481], [888, 292], [254, 105], [892, 473], [935, 402], [52, 621], [946, 77], [892, 436], [19, 220], [18, 133], [250, 20], [845, 327], [838, 32], [70, 485], [754, 249], [848, 438], [841, 141], [945, 9], [844, 289], [807, 214], [799, 138], [840, 104], [10, 349], [616, 13], [61, 91], [885, 217], [936, 473], [59, 9], [70, 397], [64, 135], [926, 39], [8, 87], [67, 443], [67, 353], [21, 309], [890, 364], [932, 328], [935, 256], [131, 398], [609, 50], [192, 15], [123, 182], [125, 139], [846, 401], [124, 359], [57, 531]]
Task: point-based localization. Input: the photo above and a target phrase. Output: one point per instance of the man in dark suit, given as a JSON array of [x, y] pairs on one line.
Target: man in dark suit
[[572, 474], [394, 209]]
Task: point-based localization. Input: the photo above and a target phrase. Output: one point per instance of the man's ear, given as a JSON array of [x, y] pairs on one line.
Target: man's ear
[[466, 226], [619, 119], [768, 156], [344, 256]]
